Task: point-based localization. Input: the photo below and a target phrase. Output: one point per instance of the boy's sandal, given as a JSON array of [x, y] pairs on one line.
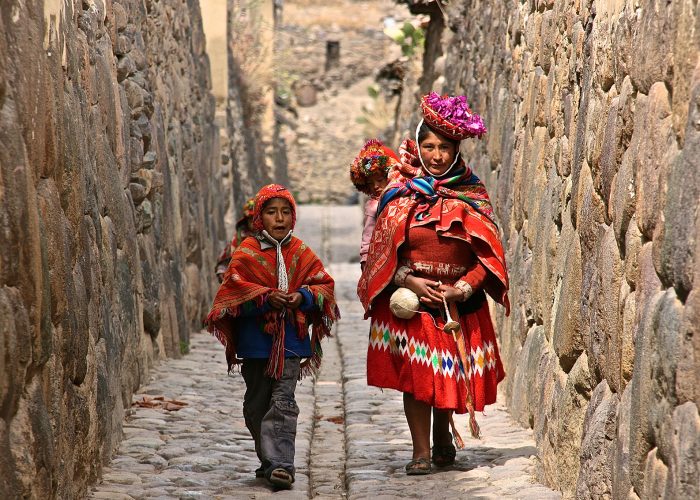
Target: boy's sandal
[[281, 478], [444, 456], [260, 472], [418, 467]]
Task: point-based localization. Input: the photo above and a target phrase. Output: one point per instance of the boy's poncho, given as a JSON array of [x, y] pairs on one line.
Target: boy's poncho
[[252, 275]]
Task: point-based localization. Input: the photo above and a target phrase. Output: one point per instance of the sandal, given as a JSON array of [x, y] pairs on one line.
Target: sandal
[[418, 467], [281, 479], [444, 456], [260, 472]]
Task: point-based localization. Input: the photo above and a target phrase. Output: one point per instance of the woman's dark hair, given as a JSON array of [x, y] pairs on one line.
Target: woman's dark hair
[[425, 129]]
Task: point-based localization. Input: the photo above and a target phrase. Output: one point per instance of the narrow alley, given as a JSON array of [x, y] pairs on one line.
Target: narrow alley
[[352, 440]]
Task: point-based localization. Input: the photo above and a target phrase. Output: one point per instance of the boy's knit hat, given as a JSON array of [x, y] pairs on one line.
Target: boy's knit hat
[[267, 193]]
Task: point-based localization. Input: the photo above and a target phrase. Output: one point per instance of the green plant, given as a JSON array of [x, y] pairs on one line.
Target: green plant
[[184, 347], [409, 37]]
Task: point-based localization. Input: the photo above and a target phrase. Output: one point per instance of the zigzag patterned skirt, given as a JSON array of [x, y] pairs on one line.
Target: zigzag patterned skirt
[[418, 357]]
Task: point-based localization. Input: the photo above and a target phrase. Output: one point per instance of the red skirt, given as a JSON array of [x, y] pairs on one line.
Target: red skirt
[[416, 356]]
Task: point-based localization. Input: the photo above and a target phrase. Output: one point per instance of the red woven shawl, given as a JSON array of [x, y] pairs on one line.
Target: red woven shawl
[[452, 218], [252, 275]]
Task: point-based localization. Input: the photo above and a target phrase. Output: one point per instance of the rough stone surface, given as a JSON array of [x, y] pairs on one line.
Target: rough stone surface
[[108, 192], [591, 160]]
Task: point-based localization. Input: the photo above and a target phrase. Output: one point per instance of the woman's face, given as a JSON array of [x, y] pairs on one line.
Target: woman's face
[[438, 153], [277, 218]]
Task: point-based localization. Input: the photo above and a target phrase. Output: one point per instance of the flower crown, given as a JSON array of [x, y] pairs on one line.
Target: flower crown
[[374, 157], [451, 116]]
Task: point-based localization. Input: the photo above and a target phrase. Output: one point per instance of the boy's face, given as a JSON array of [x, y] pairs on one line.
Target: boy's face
[[277, 218], [378, 182]]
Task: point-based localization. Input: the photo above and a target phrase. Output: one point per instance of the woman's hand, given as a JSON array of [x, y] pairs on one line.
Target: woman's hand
[[294, 300], [451, 293], [425, 289], [278, 300]]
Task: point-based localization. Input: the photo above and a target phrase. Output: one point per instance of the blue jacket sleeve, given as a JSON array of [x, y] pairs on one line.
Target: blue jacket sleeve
[[307, 304], [250, 309]]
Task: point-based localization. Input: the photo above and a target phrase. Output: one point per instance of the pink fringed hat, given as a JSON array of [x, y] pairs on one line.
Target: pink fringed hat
[[451, 116]]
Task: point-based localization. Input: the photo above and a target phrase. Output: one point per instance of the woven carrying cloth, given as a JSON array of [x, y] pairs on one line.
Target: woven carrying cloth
[[416, 355]]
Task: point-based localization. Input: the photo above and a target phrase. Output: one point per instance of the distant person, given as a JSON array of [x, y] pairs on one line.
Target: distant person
[[273, 291], [369, 173], [434, 255], [243, 229]]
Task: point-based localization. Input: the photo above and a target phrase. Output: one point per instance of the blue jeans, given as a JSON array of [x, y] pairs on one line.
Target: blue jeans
[[271, 412]]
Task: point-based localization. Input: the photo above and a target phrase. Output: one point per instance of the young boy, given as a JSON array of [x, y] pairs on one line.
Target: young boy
[[274, 289], [369, 173]]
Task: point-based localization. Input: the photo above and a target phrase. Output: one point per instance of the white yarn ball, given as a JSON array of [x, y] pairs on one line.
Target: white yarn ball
[[404, 303]]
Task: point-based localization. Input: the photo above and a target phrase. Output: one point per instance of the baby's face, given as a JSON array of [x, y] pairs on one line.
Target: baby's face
[[377, 183]]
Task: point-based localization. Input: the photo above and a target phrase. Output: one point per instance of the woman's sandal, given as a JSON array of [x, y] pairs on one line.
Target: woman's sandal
[[418, 467], [444, 456], [281, 479]]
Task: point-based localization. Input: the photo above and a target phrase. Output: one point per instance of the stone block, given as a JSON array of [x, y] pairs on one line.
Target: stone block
[[568, 339], [622, 202], [655, 476], [678, 237], [565, 428], [642, 392], [15, 347], [601, 307], [654, 146], [621, 484], [626, 329], [653, 31], [138, 192], [598, 445], [632, 248], [684, 457], [125, 68], [688, 370]]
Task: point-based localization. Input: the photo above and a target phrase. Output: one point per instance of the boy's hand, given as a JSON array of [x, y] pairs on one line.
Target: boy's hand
[[277, 300], [294, 300]]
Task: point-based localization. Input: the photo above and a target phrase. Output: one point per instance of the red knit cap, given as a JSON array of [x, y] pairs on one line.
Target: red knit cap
[[265, 194]]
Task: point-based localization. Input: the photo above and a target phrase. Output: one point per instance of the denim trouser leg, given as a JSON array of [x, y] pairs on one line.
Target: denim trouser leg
[[258, 389], [271, 412]]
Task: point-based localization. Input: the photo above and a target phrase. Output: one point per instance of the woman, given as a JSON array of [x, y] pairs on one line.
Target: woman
[[435, 235]]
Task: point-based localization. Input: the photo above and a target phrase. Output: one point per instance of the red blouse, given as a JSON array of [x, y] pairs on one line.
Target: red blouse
[[431, 255]]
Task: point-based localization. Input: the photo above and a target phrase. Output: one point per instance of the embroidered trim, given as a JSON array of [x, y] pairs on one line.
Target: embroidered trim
[[465, 288], [401, 275]]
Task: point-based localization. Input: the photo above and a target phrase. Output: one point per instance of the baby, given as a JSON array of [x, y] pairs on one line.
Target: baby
[[369, 173]]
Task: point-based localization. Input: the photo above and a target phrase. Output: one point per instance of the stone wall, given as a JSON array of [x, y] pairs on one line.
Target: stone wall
[[108, 218], [593, 162], [250, 107]]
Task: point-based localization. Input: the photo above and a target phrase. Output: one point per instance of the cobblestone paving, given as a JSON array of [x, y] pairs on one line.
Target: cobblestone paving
[[352, 440]]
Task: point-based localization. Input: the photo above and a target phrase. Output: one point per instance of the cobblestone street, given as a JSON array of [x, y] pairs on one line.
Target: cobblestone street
[[352, 440]]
